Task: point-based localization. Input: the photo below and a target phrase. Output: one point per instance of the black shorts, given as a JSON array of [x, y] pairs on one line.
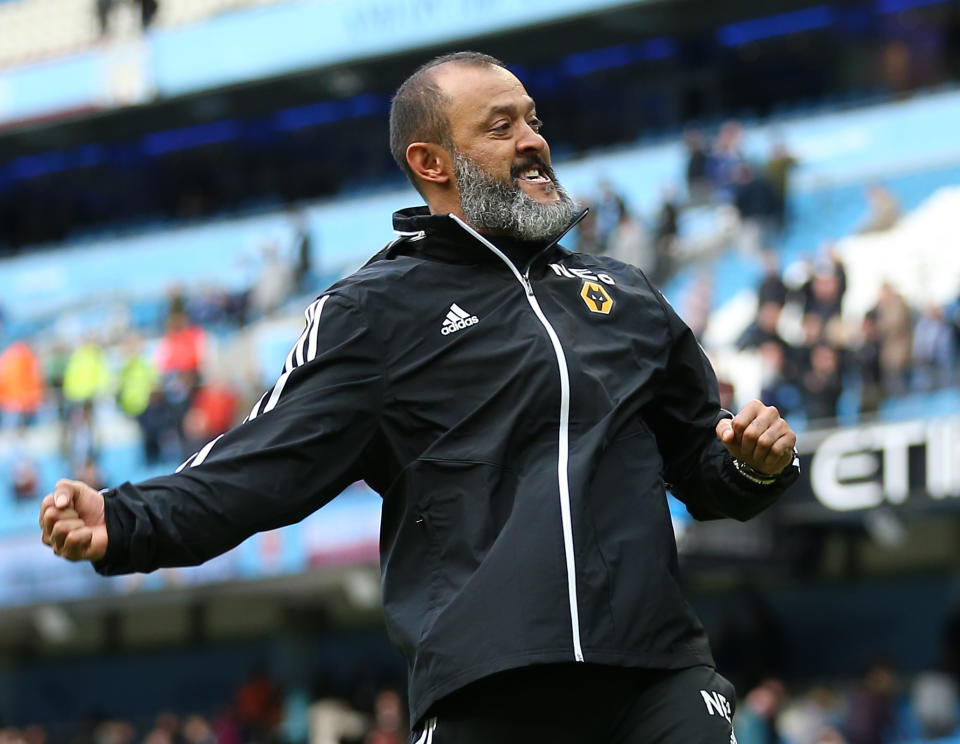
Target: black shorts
[[585, 704]]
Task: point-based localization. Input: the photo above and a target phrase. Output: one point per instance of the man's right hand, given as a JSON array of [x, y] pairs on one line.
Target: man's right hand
[[73, 523]]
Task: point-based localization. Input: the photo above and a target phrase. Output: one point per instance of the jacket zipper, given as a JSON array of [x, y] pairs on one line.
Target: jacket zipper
[[564, 435]]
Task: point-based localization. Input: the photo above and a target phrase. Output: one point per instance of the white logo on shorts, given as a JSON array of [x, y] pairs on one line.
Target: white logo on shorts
[[717, 704]]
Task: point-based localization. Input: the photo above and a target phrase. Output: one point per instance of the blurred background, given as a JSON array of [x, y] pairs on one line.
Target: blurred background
[[179, 178]]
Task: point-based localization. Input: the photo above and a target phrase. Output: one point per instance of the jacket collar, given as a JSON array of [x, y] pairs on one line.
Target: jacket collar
[[447, 240]]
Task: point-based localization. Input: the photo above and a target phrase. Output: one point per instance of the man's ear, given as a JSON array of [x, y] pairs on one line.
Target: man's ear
[[429, 162]]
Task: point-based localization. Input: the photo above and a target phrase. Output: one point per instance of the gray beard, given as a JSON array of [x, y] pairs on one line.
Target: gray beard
[[490, 204]]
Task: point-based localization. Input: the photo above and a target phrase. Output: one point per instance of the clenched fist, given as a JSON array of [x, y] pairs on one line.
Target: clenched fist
[[73, 523], [758, 437]]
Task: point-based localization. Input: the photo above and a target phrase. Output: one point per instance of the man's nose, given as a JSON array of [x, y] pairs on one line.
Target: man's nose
[[530, 140]]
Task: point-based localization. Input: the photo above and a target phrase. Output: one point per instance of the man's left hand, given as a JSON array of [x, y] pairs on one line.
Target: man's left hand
[[758, 437]]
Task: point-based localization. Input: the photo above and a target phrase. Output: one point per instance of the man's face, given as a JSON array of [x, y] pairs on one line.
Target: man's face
[[502, 164]]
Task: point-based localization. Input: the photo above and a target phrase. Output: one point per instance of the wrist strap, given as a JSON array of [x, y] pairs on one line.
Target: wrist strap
[[758, 476], [754, 475]]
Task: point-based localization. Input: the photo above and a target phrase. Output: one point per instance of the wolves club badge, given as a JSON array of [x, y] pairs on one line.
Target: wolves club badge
[[596, 298]]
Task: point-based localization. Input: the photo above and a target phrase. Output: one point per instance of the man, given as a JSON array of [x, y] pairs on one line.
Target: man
[[518, 407]]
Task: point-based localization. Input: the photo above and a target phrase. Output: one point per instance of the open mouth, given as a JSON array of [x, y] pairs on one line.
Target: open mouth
[[534, 175]]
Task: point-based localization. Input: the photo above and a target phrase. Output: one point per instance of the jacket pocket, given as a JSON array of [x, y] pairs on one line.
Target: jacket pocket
[[455, 512], [464, 506]]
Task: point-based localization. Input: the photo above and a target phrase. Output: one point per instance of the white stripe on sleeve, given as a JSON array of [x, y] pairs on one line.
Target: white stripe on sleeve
[[255, 411], [301, 343], [315, 330], [186, 462], [202, 454], [275, 393]]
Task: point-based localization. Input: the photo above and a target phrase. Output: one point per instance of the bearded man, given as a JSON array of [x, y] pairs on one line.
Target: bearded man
[[520, 409]]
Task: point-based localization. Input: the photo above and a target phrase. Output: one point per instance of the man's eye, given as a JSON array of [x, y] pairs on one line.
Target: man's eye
[[503, 127], [536, 125]]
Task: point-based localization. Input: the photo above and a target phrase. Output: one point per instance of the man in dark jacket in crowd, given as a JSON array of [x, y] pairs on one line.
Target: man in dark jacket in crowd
[[519, 408]]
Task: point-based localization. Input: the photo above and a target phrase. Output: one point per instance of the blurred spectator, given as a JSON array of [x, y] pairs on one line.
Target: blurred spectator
[[588, 241], [753, 195], [883, 210], [756, 204], [274, 284], [178, 391], [935, 704], [87, 374], [335, 722], [764, 328], [822, 383], [778, 388], [823, 292], [895, 327], [166, 729], [197, 730], [148, 9], [779, 165], [226, 730], [82, 438], [104, 9], [608, 208], [866, 358], [114, 732], [698, 173], [808, 719], [630, 243], [136, 380], [302, 250], [952, 314], [665, 238], [934, 351], [259, 705], [756, 721], [871, 716], [213, 409], [772, 288], [183, 347], [725, 159], [697, 304], [21, 383], [388, 720], [811, 326], [24, 471], [56, 367], [155, 425]]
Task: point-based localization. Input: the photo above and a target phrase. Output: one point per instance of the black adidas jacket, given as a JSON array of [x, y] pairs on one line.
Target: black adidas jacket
[[519, 418]]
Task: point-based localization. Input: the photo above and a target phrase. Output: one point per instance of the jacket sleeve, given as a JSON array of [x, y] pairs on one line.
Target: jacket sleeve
[[305, 440], [684, 414]]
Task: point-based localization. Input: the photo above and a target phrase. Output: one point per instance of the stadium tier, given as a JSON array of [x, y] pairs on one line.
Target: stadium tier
[[37, 30]]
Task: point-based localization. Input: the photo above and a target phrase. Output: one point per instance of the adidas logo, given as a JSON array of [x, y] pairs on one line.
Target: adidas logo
[[457, 319]]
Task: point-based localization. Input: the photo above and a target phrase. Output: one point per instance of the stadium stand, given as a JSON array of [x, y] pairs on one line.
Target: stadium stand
[[42, 29]]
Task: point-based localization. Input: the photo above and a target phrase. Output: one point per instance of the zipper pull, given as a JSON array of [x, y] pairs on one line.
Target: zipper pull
[[526, 284]]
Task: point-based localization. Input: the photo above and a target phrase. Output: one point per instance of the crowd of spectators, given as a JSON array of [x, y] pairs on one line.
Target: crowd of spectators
[[879, 705], [159, 376], [814, 360], [718, 174], [811, 355], [261, 712]]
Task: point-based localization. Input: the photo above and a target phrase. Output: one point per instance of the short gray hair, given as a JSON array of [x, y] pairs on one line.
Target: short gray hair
[[418, 110]]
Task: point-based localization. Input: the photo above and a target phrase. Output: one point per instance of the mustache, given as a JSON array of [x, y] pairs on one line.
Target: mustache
[[530, 162]]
